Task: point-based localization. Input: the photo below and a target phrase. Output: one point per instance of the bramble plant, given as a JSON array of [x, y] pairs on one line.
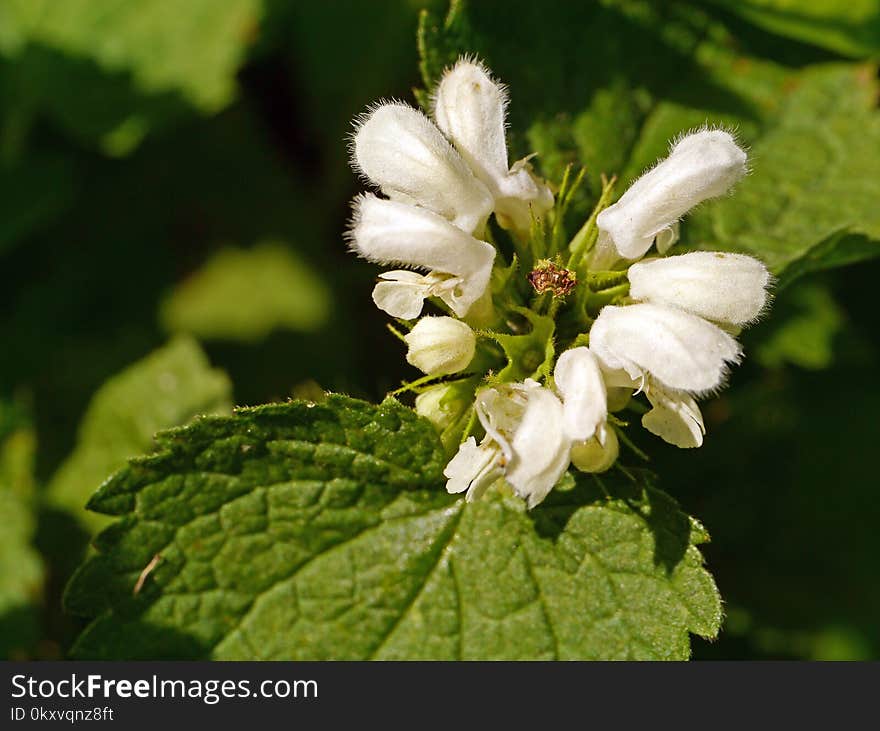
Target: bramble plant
[[571, 270]]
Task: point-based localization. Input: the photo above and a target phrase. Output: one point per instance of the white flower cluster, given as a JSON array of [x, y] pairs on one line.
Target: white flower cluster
[[442, 182], [670, 336]]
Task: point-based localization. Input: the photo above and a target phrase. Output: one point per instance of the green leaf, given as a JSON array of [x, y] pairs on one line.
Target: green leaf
[[111, 69], [811, 201], [849, 27], [318, 531], [32, 193], [167, 388], [802, 329], [245, 294], [21, 569]]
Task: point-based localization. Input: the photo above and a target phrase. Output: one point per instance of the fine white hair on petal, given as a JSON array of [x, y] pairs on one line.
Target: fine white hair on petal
[[401, 151], [700, 166], [470, 108], [680, 350], [579, 381], [724, 287], [390, 232]]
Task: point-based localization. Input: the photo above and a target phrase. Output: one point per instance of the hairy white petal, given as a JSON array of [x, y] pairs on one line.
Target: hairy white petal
[[680, 350], [675, 418], [526, 421], [594, 456], [388, 231], [728, 288], [474, 468], [440, 345], [399, 149], [579, 382], [470, 108], [700, 166], [540, 448]]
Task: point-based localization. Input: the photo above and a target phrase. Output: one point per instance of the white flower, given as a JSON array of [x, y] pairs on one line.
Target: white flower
[[674, 415], [470, 108], [726, 288], [700, 166], [440, 345], [388, 231], [400, 150], [679, 350], [525, 443], [579, 381]]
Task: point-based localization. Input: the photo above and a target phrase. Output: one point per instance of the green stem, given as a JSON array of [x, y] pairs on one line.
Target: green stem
[[588, 233]]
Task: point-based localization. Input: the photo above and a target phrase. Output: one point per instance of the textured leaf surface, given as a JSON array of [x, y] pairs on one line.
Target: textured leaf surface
[[318, 531], [21, 569], [244, 294], [109, 69], [167, 388]]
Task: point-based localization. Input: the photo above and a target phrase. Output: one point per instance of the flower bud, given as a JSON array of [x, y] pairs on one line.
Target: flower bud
[[593, 456], [680, 350], [440, 345], [399, 149], [726, 288], [700, 166], [441, 404]]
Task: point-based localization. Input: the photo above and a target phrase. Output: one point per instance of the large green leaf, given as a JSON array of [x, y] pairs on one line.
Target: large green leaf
[[318, 531], [167, 388], [244, 294], [111, 69], [21, 569]]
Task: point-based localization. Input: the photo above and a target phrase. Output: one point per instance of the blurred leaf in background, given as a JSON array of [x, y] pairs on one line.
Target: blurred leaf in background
[[21, 567], [167, 388], [246, 294]]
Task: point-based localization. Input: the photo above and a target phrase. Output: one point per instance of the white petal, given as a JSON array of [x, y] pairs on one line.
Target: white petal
[[470, 107], [473, 468], [594, 456], [521, 195], [440, 345], [540, 448], [668, 237], [400, 297], [729, 288], [675, 418], [680, 350], [399, 149], [702, 165], [579, 381], [388, 231]]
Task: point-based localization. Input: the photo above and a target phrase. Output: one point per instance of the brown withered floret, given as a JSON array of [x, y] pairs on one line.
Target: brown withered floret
[[549, 277]]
